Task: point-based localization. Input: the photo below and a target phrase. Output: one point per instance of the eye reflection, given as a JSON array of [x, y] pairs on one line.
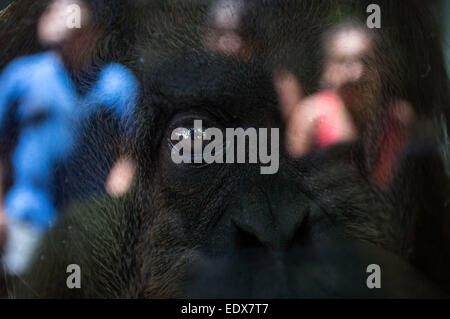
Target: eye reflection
[[189, 146]]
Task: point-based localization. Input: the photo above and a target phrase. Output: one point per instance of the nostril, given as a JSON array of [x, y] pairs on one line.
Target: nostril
[[249, 237], [264, 219], [302, 233], [287, 229]]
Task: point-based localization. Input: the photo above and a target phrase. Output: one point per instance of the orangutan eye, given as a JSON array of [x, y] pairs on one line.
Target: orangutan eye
[[188, 142], [192, 145]]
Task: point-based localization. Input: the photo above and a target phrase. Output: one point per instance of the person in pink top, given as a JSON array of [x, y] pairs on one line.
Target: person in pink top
[[315, 122], [322, 120], [331, 120]]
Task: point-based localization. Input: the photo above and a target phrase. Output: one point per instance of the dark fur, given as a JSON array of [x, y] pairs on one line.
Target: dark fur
[[150, 242]]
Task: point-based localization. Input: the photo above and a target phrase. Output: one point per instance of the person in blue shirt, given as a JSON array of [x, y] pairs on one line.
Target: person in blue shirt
[[44, 101], [38, 96]]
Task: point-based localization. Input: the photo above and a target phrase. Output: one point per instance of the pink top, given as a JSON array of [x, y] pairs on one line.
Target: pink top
[[327, 126]]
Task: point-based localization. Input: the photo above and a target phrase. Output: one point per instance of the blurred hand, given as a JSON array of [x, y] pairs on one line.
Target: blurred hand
[[312, 122], [121, 177]]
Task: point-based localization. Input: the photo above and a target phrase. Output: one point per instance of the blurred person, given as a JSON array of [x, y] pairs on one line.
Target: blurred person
[[337, 113], [39, 98], [323, 120], [225, 34], [315, 122], [345, 48]]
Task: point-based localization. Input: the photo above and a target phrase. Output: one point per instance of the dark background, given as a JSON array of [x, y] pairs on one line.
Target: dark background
[[442, 11], [4, 3]]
